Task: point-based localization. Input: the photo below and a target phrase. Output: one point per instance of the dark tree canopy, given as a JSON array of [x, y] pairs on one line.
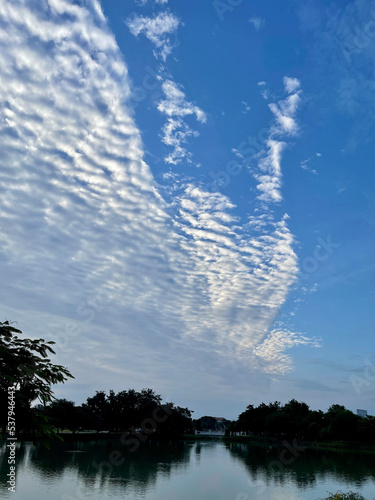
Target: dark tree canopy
[[296, 420], [130, 409], [25, 365]]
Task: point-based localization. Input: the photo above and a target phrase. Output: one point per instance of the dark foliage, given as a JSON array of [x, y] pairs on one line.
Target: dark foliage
[[141, 413], [25, 365], [296, 420]]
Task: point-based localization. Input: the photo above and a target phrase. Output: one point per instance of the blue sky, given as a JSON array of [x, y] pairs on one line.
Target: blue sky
[[188, 196]]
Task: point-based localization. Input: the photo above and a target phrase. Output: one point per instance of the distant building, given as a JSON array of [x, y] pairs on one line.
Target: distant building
[[362, 413]]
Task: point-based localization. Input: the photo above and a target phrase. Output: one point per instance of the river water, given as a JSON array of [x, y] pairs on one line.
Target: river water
[[202, 470]]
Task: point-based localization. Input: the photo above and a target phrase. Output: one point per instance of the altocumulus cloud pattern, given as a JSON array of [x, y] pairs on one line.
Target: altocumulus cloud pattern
[[81, 211]]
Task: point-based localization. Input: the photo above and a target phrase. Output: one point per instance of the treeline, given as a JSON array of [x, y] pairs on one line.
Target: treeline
[[137, 413], [296, 420], [208, 423]]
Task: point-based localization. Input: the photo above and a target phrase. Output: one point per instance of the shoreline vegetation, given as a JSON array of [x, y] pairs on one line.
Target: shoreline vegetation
[[139, 417], [27, 371], [144, 415], [254, 441]]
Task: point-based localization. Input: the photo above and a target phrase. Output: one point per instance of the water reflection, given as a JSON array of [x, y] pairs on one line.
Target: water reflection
[[306, 468], [99, 464], [199, 470]]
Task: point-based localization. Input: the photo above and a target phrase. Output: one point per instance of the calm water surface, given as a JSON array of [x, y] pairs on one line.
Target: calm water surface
[[198, 470]]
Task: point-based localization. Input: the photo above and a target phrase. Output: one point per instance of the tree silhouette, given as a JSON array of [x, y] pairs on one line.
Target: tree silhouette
[[24, 365], [296, 420]]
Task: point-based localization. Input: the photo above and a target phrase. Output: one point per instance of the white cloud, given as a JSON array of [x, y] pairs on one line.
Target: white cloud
[[291, 84], [158, 2], [176, 104], [264, 92], [237, 153], [272, 350], [157, 30], [257, 22], [284, 112], [176, 131], [305, 164], [246, 106], [91, 253], [247, 279], [269, 176]]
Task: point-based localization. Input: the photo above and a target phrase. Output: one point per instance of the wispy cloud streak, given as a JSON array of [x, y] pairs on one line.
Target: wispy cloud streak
[[257, 22], [176, 131], [157, 29], [269, 161]]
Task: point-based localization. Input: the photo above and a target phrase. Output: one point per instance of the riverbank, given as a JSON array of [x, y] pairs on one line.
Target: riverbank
[[342, 446], [256, 441]]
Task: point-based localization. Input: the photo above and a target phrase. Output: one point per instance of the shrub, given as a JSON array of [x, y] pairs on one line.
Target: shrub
[[345, 496]]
